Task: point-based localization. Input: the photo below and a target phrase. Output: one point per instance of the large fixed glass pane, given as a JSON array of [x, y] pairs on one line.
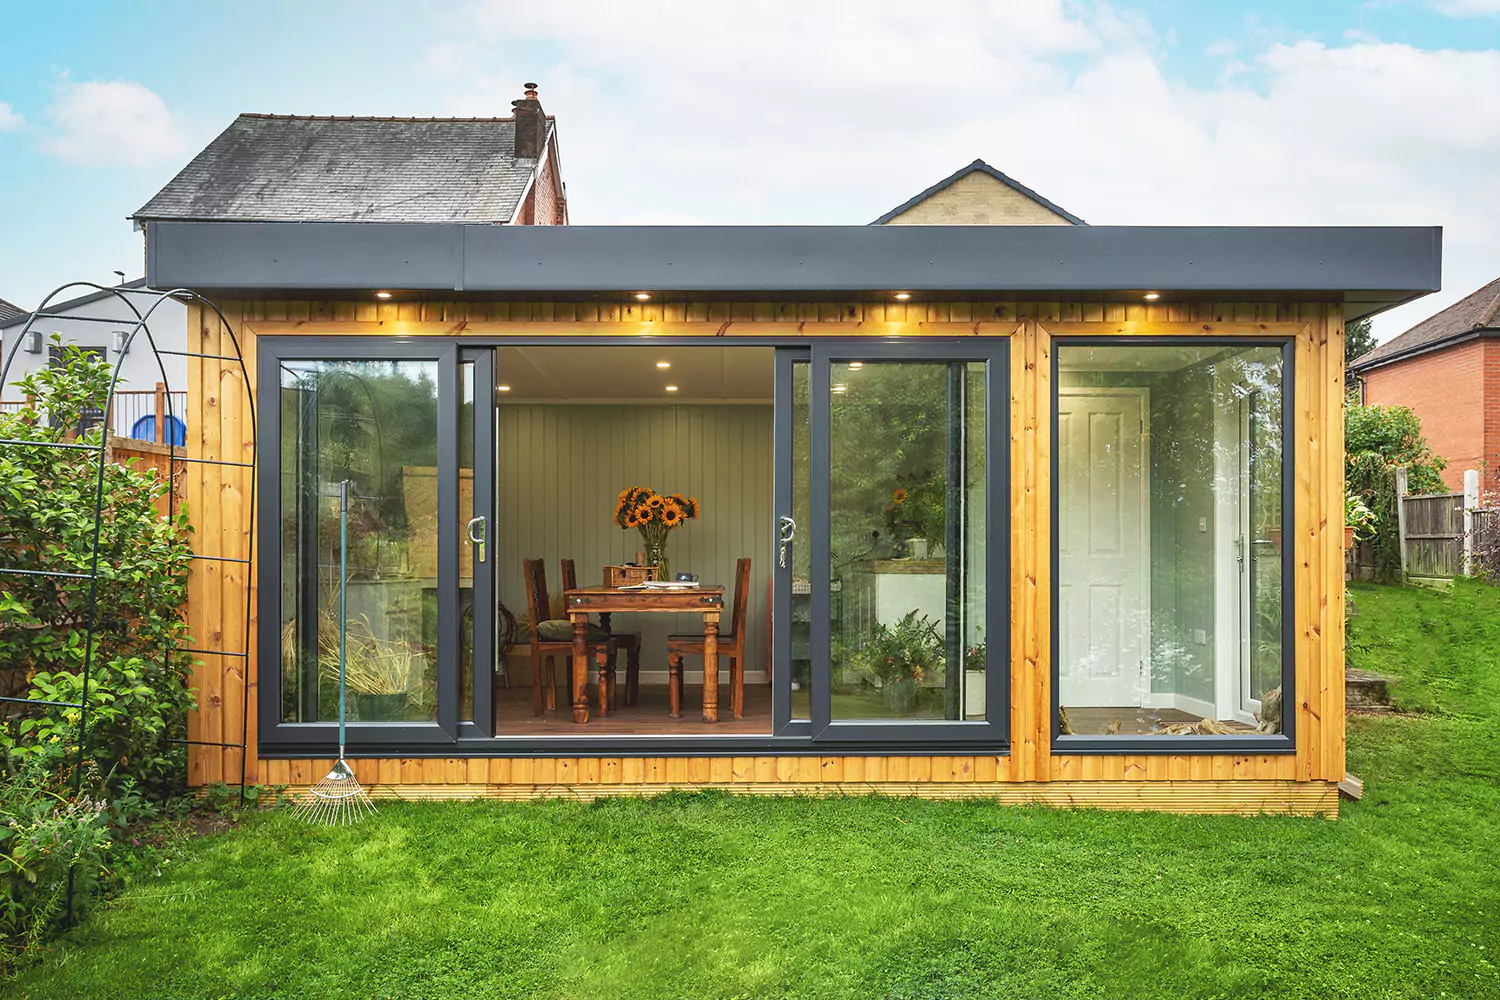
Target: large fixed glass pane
[[1169, 484], [907, 540], [374, 424]]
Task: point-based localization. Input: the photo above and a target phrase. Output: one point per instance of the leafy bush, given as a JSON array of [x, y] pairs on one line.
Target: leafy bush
[[139, 695], [44, 836], [1395, 434]]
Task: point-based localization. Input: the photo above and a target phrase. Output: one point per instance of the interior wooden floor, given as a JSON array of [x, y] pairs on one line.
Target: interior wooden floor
[[648, 717]]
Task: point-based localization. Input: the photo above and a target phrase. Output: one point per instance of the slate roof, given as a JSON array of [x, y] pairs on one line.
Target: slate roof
[[1476, 312], [982, 167], [289, 168], [10, 311]]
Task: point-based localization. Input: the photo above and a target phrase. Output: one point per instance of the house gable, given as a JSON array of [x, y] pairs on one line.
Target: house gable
[[978, 195]]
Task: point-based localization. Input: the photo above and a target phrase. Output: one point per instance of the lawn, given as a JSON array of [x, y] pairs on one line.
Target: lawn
[[716, 896]]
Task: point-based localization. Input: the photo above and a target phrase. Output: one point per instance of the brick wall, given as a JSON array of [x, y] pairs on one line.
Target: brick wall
[[1456, 393], [978, 199]]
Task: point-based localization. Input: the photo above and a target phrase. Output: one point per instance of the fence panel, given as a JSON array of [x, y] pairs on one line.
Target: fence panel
[[1434, 535]]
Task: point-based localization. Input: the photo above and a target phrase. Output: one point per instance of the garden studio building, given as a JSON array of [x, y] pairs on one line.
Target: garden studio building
[[1039, 513]]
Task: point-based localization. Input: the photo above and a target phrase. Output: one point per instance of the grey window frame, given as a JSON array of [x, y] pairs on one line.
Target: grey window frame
[[1268, 743], [787, 738]]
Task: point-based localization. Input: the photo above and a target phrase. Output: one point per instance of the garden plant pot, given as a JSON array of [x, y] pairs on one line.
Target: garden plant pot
[[973, 694], [900, 696], [379, 707], [1348, 536]]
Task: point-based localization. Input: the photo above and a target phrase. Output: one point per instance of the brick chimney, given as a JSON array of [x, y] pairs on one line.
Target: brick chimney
[[531, 125]]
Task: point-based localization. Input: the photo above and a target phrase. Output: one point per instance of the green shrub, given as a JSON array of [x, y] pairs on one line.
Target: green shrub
[[139, 694], [45, 835], [1395, 434]]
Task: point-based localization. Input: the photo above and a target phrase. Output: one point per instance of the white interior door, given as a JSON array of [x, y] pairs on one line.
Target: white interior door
[[1103, 518]]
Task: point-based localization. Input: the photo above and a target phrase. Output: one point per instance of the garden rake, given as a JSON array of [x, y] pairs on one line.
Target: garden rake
[[338, 799]]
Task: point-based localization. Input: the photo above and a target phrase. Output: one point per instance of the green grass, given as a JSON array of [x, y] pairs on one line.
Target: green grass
[[716, 896]]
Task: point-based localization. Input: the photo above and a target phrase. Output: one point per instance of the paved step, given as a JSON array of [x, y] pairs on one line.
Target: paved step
[[1363, 689]]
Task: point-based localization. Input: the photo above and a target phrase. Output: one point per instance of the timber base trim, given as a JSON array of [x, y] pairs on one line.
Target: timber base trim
[[1243, 798]]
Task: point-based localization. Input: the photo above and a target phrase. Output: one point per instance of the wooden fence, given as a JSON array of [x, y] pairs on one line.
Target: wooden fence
[[1438, 530]]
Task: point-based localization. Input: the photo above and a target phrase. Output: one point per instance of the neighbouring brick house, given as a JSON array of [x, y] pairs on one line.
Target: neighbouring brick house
[[1447, 369], [978, 195], [296, 168]]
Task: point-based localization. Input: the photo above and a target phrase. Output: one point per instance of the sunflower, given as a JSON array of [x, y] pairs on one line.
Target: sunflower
[[900, 495], [671, 515], [657, 502], [643, 513], [689, 508]]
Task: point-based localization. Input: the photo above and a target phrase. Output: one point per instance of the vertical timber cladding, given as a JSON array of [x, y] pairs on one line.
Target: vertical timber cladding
[[1231, 782]]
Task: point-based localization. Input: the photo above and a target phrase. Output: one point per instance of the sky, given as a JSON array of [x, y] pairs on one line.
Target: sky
[[1133, 112]]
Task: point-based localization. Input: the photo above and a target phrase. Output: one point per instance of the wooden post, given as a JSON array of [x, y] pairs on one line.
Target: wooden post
[[1471, 502], [1401, 516], [161, 412]]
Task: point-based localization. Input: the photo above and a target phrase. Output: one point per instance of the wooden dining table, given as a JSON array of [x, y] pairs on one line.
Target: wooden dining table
[[584, 601]]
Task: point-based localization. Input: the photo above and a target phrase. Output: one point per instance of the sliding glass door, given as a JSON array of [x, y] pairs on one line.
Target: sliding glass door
[[902, 547], [366, 500]]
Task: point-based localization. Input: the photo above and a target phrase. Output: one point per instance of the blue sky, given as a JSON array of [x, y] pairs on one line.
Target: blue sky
[[832, 112]]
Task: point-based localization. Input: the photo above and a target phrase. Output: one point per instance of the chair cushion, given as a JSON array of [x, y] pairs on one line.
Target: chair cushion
[[561, 630], [725, 638]]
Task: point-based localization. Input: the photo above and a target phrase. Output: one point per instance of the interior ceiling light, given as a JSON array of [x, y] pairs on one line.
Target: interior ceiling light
[[382, 295], [671, 388], [503, 388], [839, 388], [855, 366], [643, 296], [664, 364], [1152, 296], [903, 296]]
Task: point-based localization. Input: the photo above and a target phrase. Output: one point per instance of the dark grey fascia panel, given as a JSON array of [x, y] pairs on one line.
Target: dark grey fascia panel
[[791, 259], [296, 255]]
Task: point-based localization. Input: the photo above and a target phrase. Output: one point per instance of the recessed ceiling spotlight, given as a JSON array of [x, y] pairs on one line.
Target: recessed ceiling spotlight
[[671, 388], [643, 296], [839, 388], [664, 364], [903, 296], [1152, 296], [382, 295], [855, 366], [503, 388]]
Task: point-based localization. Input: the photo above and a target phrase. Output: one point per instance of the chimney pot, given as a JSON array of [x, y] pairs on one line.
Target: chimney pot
[[531, 125]]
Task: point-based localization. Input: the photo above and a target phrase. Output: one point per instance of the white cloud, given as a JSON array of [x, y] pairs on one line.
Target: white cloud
[[835, 112], [10, 119], [117, 123], [1468, 8]]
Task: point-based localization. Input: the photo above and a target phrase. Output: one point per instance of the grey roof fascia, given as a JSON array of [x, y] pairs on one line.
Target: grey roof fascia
[[791, 259], [981, 167], [81, 300]]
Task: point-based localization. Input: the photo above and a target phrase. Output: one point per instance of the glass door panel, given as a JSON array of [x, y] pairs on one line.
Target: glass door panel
[[908, 570], [476, 562], [373, 424]]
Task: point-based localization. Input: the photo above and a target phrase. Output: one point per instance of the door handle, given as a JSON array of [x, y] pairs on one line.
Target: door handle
[[786, 531], [477, 538]]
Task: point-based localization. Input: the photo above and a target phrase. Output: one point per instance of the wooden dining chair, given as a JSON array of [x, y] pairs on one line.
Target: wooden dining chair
[[627, 642], [731, 645], [553, 637]]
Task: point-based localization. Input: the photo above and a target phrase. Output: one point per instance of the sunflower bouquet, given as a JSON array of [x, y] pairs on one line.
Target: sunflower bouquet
[[654, 516]]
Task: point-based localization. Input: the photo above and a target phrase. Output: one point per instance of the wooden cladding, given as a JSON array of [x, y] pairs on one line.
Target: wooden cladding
[[219, 427]]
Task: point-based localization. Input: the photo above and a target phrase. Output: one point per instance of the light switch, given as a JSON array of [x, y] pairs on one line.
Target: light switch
[[1200, 636], [1202, 524]]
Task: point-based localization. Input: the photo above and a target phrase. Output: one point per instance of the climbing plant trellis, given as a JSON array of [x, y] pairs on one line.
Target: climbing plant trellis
[[140, 306]]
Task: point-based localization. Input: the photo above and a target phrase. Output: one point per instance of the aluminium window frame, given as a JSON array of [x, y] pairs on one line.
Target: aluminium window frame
[[277, 739], [1284, 742]]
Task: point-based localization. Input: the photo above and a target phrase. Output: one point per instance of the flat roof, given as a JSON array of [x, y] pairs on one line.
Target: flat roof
[[1369, 268]]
